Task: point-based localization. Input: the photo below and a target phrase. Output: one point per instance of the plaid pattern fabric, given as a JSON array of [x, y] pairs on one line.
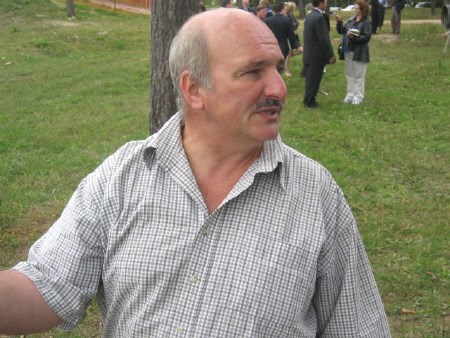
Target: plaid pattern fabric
[[280, 257]]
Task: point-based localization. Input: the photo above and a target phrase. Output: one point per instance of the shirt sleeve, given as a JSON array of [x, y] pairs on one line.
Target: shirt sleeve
[[65, 263], [346, 300]]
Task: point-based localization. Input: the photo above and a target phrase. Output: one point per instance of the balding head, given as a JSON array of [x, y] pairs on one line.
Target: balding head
[[217, 29]]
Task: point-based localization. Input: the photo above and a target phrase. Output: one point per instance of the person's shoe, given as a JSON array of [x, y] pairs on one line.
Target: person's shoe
[[348, 99], [356, 101], [313, 105]]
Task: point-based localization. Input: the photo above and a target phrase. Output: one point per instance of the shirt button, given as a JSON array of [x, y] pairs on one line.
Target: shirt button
[[206, 232], [194, 279], [180, 330]]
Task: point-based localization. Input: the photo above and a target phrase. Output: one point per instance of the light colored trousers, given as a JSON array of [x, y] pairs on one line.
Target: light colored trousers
[[395, 21], [355, 72]]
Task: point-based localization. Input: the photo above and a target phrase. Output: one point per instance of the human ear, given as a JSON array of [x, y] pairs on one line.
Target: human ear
[[191, 90]]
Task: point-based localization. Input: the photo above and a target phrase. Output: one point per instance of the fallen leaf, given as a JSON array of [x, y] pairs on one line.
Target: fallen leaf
[[433, 276], [408, 312]]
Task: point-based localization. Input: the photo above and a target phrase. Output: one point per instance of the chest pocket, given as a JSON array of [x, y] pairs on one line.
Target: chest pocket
[[267, 280]]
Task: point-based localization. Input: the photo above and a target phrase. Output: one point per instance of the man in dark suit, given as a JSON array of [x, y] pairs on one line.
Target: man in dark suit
[[318, 51], [246, 6], [283, 29]]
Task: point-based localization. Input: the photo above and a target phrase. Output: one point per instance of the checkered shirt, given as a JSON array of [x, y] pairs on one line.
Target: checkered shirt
[[280, 257]]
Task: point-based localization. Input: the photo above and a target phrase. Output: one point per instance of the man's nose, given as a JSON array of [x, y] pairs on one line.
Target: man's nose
[[276, 87]]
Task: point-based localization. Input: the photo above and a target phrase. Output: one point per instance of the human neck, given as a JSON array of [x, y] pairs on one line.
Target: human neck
[[217, 150], [217, 165]]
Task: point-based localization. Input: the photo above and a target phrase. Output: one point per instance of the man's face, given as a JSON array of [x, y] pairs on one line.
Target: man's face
[[245, 3], [323, 5], [246, 62]]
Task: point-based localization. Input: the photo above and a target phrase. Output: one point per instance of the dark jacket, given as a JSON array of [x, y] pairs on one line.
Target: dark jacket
[[399, 5], [316, 39], [281, 26], [359, 44]]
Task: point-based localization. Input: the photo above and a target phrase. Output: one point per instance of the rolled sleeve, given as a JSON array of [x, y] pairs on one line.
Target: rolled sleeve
[[66, 262]]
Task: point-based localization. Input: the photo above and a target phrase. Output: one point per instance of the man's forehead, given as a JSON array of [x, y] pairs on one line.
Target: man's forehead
[[222, 19], [230, 32]]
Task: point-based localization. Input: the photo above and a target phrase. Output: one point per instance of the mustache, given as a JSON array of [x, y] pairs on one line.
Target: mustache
[[270, 103]]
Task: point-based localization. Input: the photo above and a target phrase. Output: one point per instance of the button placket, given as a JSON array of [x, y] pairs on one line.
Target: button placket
[[194, 279], [190, 296], [206, 231]]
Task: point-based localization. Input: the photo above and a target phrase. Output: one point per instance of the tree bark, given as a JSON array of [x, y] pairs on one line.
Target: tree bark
[[167, 17], [70, 8], [301, 9]]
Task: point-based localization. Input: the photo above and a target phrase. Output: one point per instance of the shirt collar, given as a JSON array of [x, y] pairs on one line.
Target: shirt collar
[[169, 147], [318, 9]]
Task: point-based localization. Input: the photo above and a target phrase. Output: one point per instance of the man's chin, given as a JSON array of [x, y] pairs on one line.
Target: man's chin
[[271, 135]]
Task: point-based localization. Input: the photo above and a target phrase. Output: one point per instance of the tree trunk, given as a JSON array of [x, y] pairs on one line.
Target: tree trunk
[[70, 8], [301, 9], [167, 17]]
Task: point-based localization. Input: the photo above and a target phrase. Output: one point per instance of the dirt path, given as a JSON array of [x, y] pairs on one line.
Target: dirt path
[[416, 22], [120, 6]]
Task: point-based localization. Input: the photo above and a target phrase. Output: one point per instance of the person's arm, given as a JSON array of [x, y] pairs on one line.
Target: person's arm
[[322, 32], [365, 33], [22, 308], [346, 299], [341, 29]]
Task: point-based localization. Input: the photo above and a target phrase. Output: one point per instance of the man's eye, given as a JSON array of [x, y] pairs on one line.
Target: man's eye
[[253, 72]]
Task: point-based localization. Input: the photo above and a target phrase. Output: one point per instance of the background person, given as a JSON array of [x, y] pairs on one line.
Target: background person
[[211, 227], [246, 6], [317, 51], [375, 14], [261, 12], [282, 28], [381, 13], [201, 7], [269, 11], [290, 9], [396, 16], [226, 4], [356, 51]]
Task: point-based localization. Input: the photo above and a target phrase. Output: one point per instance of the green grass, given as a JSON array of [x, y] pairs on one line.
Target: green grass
[[71, 92], [407, 14]]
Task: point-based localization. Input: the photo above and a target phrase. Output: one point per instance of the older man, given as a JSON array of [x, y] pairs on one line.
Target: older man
[[210, 228]]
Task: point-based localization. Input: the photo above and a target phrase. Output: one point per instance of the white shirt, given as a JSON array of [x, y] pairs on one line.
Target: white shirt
[[280, 257]]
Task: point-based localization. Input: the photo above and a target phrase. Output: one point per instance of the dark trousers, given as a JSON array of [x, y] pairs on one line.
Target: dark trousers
[[381, 16], [374, 21], [313, 76]]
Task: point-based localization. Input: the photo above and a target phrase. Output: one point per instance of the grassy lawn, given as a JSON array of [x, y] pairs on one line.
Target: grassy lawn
[[71, 92]]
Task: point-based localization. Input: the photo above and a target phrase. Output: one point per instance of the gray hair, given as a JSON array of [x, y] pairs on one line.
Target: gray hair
[[189, 51]]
